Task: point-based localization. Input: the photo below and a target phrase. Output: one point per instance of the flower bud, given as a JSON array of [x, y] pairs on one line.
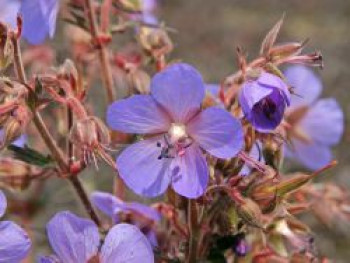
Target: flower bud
[[155, 40], [6, 47], [17, 175], [12, 130]]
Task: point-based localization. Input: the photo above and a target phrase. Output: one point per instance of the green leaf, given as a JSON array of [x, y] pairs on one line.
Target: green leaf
[[30, 155]]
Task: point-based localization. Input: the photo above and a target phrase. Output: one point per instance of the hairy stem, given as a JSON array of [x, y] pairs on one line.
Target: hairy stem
[[50, 142], [119, 187]]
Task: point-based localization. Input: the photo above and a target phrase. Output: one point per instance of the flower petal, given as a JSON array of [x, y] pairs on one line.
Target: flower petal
[[3, 203], [271, 80], [180, 90], [49, 259], [145, 211], [190, 173], [37, 24], [312, 155], [14, 242], [141, 170], [217, 131], [108, 203], [137, 114], [306, 85], [50, 9], [251, 93], [74, 239], [125, 243], [324, 122], [9, 11]]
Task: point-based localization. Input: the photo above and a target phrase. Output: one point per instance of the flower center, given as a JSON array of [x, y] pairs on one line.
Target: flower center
[[175, 142], [268, 107]]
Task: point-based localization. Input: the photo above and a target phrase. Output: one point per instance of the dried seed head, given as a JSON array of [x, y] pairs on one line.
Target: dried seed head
[[6, 47], [155, 40]]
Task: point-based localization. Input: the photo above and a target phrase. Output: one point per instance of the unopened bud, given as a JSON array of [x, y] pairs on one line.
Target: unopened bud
[[68, 70], [286, 50], [272, 153], [12, 130], [155, 40]]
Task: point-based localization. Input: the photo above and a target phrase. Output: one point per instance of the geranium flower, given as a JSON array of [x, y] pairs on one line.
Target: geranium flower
[[14, 241], [316, 125], [140, 215], [77, 240], [172, 114], [264, 100], [39, 17]]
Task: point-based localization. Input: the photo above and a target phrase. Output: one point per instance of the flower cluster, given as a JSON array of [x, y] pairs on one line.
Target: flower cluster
[[213, 155]]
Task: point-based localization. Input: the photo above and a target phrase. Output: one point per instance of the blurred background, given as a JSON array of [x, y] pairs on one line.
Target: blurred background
[[209, 31]]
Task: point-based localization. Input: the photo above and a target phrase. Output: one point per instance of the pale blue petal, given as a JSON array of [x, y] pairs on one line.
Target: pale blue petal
[[125, 243], [189, 173], [3, 203], [108, 203], [14, 243], [137, 114], [180, 90], [324, 122], [141, 170], [74, 239], [8, 12], [218, 132]]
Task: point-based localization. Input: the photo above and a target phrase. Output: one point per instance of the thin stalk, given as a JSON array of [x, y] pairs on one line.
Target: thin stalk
[[49, 140], [193, 231], [119, 186]]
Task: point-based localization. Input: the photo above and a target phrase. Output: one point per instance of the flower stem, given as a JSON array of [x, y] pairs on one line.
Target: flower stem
[[193, 231], [49, 140], [119, 186]]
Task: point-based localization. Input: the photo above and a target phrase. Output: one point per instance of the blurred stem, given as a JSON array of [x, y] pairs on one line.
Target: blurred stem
[[193, 227], [50, 141], [119, 187]]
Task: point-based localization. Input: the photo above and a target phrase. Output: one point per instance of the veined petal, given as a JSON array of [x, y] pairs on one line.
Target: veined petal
[[50, 9], [49, 259], [145, 211], [141, 170], [312, 155], [125, 243], [189, 173], [35, 26], [9, 11], [180, 90], [251, 93], [74, 239], [306, 85], [217, 131], [324, 122], [3, 203], [14, 243], [137, 114], [271, 80], [108, 203]]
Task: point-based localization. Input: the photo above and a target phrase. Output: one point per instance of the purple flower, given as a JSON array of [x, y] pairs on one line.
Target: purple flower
[[143, 216], [264, 100], [39, 17], [316, 125], [14, 241], [148, 10], [77, 240], [180, 130]]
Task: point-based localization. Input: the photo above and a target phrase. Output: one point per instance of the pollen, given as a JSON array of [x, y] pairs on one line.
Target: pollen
[[177, 131]]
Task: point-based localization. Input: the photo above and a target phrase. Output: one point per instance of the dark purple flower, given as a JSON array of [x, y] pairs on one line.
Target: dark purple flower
[[14, 241], [77, 240], [264, 100], [240, 245], [39, 17], [144, 216], [173, 155], [316, 125]]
